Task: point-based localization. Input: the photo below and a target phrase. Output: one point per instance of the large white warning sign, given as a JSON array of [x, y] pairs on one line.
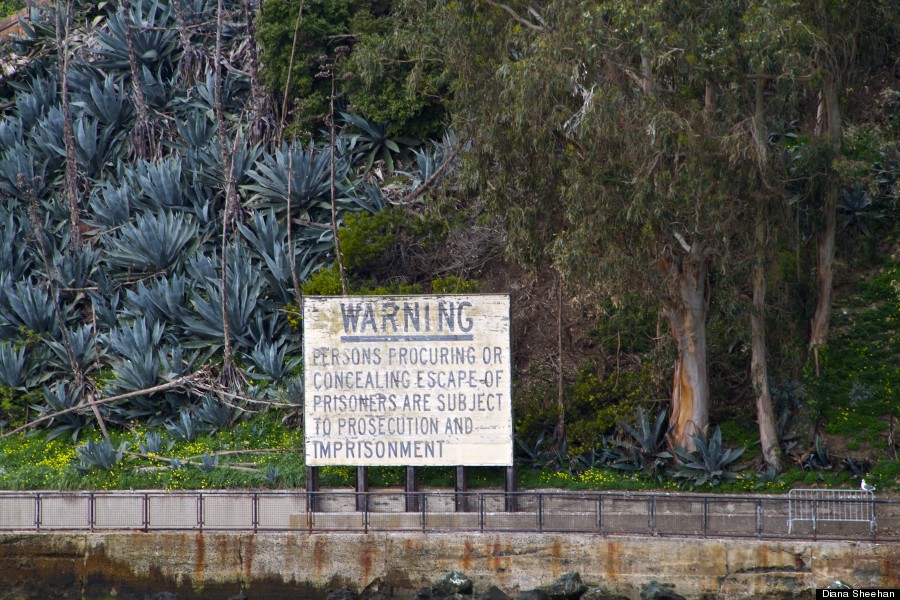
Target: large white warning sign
[[407, 380]]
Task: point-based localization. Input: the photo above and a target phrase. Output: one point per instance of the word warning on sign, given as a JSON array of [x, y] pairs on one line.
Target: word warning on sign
[[407, 380]]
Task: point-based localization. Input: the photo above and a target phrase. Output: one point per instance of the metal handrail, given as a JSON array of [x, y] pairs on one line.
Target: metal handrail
[[608, 513]]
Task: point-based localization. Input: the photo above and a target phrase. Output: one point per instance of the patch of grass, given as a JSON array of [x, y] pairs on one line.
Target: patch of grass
[[245, 456]]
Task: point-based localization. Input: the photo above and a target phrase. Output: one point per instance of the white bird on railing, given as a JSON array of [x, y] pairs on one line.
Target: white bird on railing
[[866, 487]]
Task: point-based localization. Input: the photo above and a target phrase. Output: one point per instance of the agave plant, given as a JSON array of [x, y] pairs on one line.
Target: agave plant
[[644, 447], [155, 444], [107, 102], [62, 398], [372, 141], [28, 305], [75, 269], [100, 455], [47, 140], [155, 38], [14, 258], [245, 284], [23, 174], [216, 415], [711, 463], [269, 240], [12, 366], [163, 300], [155, 242], [134, 350], [310, 182], [186, 428], [11, 132], [110, 204], [82, 343], [37, 98], [269, 359]]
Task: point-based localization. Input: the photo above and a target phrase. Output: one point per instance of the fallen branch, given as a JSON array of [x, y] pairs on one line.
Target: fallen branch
[[179, 382]]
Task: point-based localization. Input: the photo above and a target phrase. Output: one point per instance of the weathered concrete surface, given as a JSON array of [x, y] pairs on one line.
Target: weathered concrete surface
[[298, 565]]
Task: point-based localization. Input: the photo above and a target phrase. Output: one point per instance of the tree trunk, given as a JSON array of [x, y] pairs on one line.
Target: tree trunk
[[62, 62], [826, 238], [144, 136], [228, 372], [687, 308], [759, 371]]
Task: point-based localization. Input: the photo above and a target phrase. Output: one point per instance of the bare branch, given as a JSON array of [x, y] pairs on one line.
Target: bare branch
[[521, 20], [178, 382]]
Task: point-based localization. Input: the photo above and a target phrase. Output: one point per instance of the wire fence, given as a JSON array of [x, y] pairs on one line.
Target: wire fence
[[436, 511]]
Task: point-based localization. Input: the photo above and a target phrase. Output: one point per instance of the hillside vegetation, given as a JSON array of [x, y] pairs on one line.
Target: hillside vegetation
[[693, 206]]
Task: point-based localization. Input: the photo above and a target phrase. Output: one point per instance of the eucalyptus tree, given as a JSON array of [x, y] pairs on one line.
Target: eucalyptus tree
[[597, 135], [850, 39]]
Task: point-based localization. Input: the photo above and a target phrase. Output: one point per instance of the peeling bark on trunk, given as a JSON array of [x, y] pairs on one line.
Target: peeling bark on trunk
[[686, 309], [826, 238], [759, 371], [759, 368]]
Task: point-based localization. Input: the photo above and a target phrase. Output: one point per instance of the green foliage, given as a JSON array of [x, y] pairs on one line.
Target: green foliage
[[386, 91], [9, 7], [451, 284], [857, 392], [593, 408], [376, 245]]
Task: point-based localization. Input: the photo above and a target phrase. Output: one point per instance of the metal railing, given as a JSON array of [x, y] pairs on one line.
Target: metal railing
[[830, 505], [607, 513]]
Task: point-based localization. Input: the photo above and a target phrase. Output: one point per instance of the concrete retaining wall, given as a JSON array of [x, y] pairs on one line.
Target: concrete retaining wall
[[293, 565]]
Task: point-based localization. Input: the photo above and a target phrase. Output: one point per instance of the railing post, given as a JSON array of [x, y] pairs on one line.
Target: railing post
[[481, 512], [200, 510], [365, 499], [92, 517], [815, 517], [254, 507], [599, 512], [423, 500], [38, 507], [652, 503], [705, 515], [540, 511], [146, 512]]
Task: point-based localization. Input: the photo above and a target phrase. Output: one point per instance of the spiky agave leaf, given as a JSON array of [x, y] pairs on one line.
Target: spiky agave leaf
[[28, 305], [134, 355], [155, 242], [108, 103], [24, 174], [310, 181], [110, 204], [245, 284]]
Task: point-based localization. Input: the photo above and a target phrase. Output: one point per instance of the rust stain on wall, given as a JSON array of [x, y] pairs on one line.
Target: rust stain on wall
[[319, 555], [247, 549], [613, 560], [556, 558], [365, 560], [891, 569], [200, 560], [467, 556]]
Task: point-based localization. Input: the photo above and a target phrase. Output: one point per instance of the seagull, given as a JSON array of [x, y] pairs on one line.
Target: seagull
[[866, 487]]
